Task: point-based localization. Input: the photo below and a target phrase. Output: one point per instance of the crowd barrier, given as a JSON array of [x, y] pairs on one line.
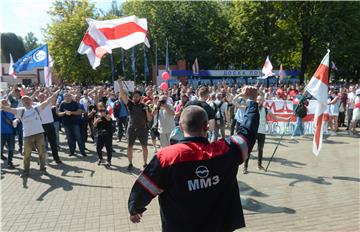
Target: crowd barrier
[[285, 109]]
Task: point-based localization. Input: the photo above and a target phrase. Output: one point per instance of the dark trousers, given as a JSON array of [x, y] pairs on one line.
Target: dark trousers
[[341, 118], [8, 139], [50, 135], [73, 135], [101, 141], [232, 126], [122, 125], [349, 114], [83, 128], [261, 142]]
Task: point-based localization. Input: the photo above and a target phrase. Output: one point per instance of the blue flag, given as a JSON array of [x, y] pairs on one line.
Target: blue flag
[[35, 58]]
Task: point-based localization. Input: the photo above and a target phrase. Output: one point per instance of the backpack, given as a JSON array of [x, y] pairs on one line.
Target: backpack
[[37, 111], [301, 109], [219, 117]]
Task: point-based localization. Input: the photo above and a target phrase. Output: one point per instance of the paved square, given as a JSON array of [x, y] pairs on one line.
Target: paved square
[[300, 192]]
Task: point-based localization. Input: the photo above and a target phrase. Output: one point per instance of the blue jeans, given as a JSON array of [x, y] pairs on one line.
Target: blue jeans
[[299, 126], [73, 135], [10, 140]]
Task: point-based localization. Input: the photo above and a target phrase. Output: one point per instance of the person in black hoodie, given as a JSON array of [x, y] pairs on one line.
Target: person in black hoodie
[[103, 133]]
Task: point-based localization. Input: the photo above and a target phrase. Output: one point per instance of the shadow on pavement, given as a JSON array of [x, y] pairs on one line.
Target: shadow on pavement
[[297, 178], [56, 182], [253, 205], [68, 168], [346, 178], [327, 141], [134, 170], [247, 190], [285, 162]]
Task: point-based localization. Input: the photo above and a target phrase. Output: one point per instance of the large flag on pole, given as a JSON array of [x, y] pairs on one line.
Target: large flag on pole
[[47, 72], [123, 32], [94, 46], [318, 88], [195, 68], [281, 73], [35, 58], [11, 68], [103, 36], [267, 68]]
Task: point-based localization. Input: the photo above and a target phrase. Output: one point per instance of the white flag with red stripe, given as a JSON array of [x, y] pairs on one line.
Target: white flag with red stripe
[[48, 73], [267, 68], [11, 68], [94, 45], [124, 32], [318, 88]]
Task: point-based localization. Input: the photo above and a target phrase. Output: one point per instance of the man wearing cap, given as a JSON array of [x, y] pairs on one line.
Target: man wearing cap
[[196, 180], [32, 129]]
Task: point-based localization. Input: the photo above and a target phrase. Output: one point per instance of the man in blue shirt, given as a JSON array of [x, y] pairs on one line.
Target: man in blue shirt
[[70, 112], [7, 134]]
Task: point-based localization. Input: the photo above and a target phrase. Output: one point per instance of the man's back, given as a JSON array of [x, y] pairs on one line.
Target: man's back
[[206, 186]]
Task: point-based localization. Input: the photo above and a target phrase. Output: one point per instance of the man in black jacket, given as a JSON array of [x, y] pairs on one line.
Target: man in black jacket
[[196, 180]]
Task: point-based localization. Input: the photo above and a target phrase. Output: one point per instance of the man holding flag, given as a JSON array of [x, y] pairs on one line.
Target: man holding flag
[[318, 88]]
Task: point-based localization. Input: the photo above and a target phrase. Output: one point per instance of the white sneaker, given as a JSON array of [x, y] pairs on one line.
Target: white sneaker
[[293, 137], [333, 133]]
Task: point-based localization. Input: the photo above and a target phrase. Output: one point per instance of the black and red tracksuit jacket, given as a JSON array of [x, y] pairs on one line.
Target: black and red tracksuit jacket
[[196, 181]]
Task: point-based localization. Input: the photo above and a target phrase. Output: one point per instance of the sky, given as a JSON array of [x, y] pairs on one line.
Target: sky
[[23, 16]]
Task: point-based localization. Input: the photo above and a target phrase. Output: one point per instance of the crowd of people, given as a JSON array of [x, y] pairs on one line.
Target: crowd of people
[[33, 117]]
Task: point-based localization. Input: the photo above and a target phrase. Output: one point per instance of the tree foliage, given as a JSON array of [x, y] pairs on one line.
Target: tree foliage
[[31, 42], [219, 33], [64, 36], [11, 43]]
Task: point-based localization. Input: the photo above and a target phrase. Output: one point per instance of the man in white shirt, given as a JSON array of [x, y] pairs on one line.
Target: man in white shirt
[[32, 129], [47, 121]]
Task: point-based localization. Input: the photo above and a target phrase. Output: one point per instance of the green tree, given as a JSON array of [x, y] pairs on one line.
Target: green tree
[[64, 36], [11, 43], [193, 29], [31, 42]]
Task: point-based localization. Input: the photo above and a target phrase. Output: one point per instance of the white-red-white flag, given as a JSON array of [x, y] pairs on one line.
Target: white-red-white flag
[[267, 68], [94, 45], [123, 32], [48, 73], [11, 71], [281, 73], [318, 88], [195, 68]]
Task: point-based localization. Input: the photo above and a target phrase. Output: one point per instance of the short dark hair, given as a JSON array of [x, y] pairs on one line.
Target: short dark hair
[[193, 118], [204, 92], [137, 92]]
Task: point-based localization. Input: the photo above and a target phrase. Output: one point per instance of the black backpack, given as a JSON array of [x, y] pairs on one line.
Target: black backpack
[[301, 109], [218, 114]]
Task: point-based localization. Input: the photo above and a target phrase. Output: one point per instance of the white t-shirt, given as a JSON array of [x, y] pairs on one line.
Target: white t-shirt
[[46, 114], [166, 121], [351, 98], [86, 102], [262, 121], [31, 120]]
